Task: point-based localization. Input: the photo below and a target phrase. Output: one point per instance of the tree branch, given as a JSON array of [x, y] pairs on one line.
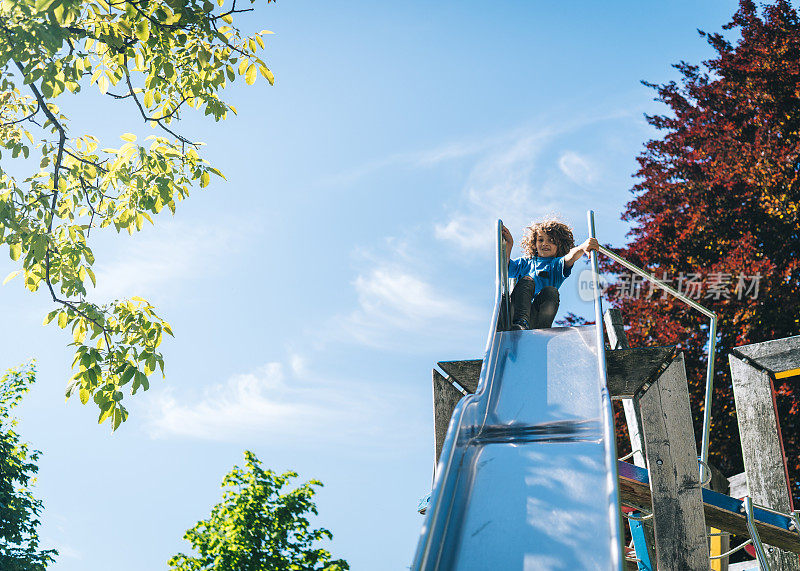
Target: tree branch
[[142, 111], [38, 107]]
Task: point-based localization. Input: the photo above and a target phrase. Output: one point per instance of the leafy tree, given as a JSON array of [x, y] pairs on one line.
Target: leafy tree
[[259, 527], [162, 57], [19, 509], [718, 196]]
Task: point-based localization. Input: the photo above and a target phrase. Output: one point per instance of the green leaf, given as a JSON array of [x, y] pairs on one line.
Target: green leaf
[[79, 333], [268, 74], [84, 395], [42, 5], [143, 30], [11, 276], [205, 178], [117, 420], [15, 251], [105, 413], [62, 320], [40, 247], [252, 73], [127, 375]]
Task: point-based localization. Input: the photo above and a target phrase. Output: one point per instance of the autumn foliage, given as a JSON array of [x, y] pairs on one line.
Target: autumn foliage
[[716, 205]]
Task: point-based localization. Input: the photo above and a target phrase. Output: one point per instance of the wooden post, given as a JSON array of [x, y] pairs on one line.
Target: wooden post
[[718, 544], [671, 455], [753, 369], [619, 340], [465, 373], [445, 398]]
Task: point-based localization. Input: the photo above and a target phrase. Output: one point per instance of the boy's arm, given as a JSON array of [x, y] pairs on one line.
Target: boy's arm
[[575, 253]]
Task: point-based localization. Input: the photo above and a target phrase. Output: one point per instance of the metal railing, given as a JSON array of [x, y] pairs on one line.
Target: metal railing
[[608, 413], [503, 294], [712, 342], [751, 527]]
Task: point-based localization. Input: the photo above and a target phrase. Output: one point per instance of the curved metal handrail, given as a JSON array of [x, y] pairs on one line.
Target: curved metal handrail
[[751, 527], [712, 345]]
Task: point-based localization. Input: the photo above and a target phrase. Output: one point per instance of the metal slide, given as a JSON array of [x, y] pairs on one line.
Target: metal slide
[[527, 478]]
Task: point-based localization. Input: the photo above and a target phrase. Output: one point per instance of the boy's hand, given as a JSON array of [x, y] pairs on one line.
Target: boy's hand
[[507, 237], [589, 245], [509, 242]]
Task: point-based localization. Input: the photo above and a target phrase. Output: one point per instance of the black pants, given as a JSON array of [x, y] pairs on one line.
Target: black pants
[[539, 311]]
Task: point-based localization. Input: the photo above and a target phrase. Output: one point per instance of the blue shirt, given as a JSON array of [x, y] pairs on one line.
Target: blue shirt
[[544, 271]]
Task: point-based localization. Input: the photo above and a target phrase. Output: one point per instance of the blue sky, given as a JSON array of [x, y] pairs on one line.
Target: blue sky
[[349, 250]]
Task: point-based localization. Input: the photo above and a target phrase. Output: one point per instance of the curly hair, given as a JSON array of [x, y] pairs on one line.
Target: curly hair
[[559, 232]]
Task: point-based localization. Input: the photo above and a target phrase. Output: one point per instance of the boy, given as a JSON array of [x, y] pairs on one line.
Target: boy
[[549, 252]]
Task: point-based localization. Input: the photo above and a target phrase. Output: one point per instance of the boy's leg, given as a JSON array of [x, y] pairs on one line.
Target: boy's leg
[[521, 302], [545, 307]]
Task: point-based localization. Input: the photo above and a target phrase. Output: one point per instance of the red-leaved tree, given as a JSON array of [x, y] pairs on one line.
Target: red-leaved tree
[[715, 213]]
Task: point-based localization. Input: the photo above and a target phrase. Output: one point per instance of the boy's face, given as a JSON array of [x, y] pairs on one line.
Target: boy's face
[[545, 246]]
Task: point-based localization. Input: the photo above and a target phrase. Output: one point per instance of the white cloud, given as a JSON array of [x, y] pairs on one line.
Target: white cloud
[[271, 402], [422, 159], [521, 177], [160, 261], [402, 297], [393, 302], [500, 185], [579, 169]]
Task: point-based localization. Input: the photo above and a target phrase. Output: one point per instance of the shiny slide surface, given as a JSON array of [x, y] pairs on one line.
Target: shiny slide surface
[[527, 476]]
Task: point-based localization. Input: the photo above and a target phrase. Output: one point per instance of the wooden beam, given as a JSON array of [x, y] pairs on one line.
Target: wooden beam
[[781, 357], [680, 526], [628, 370], [635, 492], [445, 399], [768, 348], [718, 544], [781, 363], [466, 373], [618, 339], [759, 433]]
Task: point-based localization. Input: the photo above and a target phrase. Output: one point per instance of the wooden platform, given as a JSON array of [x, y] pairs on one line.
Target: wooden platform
[[721, 511], [629, 370]]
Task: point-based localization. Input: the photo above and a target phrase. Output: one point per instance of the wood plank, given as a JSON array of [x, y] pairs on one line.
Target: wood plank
[[636, 493], [628, 370], [718, 544], [680, 526], [466, 373], [759, 434], [781, 362], [768, 348], [445, 399]]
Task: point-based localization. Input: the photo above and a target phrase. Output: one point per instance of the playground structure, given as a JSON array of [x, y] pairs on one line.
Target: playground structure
[[527, 475]]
